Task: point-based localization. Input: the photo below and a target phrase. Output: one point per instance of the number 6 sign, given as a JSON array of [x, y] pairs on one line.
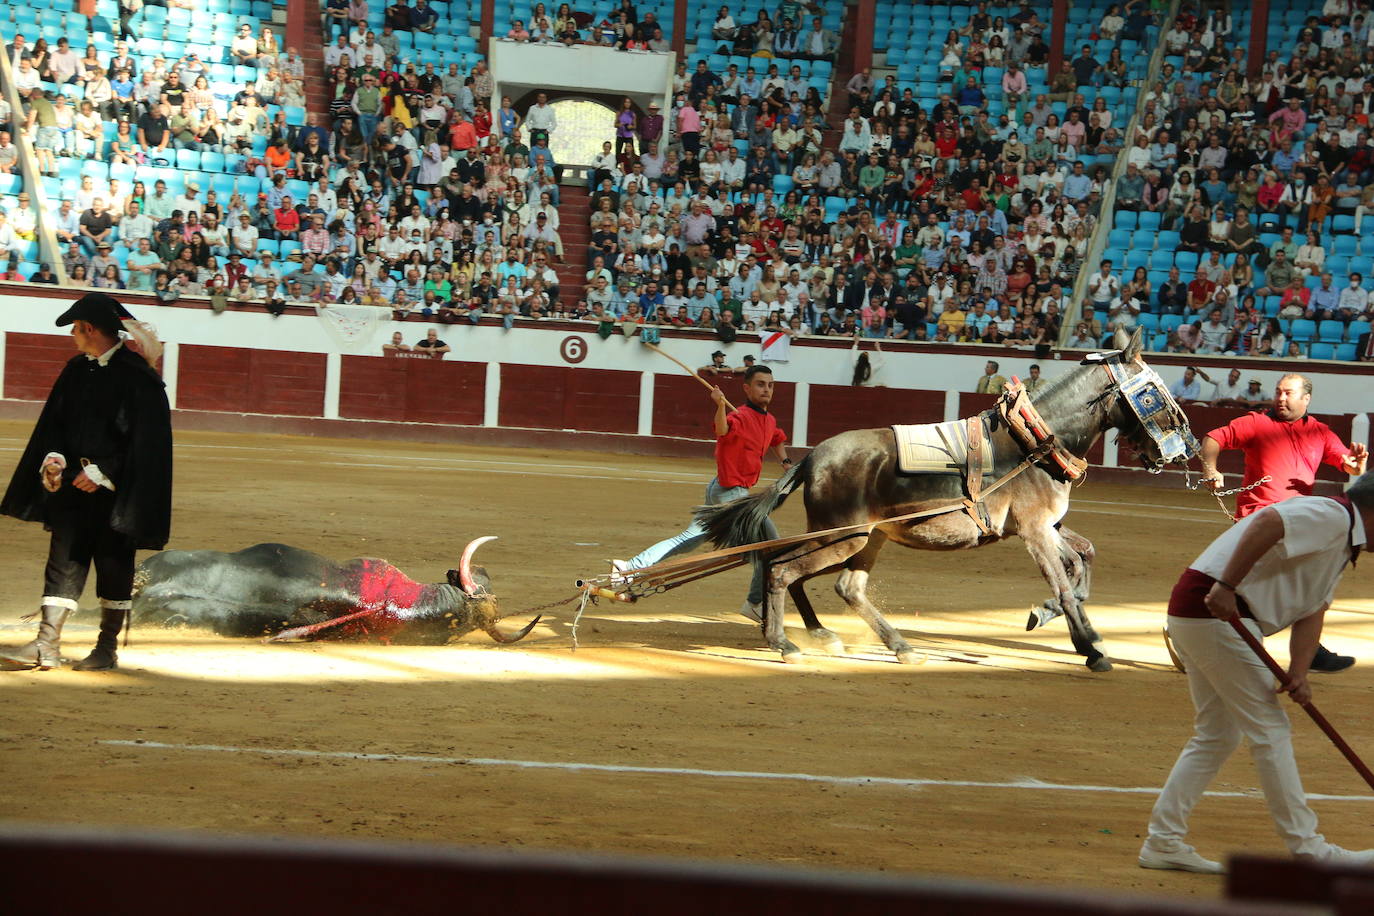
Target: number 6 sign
[[573, 349]]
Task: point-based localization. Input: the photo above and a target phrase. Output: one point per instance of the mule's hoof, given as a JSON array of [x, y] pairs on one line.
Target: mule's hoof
[[826, 641], [1039, 616], [1102, 663], [911, 657]]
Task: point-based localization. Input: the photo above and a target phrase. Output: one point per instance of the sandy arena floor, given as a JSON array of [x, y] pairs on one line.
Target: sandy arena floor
[[1019, 763]]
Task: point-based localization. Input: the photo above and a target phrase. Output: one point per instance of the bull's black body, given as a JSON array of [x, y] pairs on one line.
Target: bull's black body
[[267, 589]]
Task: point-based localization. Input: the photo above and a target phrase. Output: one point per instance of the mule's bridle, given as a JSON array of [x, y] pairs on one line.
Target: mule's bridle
[[1147, 400]]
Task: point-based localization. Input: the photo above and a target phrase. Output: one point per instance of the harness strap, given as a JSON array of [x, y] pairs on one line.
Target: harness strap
[[1032, 433], [974, 473]]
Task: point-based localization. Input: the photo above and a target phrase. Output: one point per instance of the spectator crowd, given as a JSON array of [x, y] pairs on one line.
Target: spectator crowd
[[1255, 191], [965, 217]]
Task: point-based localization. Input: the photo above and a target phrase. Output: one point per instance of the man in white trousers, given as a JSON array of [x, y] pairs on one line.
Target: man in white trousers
[[1277, 568]]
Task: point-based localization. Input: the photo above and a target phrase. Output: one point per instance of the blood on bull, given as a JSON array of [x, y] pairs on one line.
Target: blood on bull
[[285, 592]]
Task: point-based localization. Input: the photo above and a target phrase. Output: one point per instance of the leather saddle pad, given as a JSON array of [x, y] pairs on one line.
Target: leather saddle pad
[[937, 448]]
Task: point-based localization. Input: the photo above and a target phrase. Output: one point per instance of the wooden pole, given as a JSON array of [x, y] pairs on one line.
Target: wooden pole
[[1258, 648], [688, 369]]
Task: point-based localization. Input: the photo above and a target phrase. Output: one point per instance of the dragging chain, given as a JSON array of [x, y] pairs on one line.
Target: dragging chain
[[1222, 494]]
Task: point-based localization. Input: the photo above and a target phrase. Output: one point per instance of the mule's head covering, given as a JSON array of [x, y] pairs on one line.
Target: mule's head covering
[[101, 310]]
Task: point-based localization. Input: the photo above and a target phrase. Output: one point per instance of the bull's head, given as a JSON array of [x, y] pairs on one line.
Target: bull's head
[[480, 604]]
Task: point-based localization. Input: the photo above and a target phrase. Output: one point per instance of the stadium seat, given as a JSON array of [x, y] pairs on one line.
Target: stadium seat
[[1303, 330], [1330, 331], [1321, 351]]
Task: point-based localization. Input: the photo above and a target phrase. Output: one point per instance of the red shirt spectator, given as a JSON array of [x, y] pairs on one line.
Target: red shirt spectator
[[463, 135], [286, 217]]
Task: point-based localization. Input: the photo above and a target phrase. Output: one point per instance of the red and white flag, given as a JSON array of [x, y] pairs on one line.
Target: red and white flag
[[777, 347]]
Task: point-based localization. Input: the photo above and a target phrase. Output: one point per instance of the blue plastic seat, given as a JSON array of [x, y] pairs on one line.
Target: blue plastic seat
[[1346, 352], [1303, 330], [1321, 351], [1148, 219], [1330, 331]]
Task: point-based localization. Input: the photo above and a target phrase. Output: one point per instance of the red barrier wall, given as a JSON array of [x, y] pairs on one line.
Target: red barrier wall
[[559, 397], [236, 380], [682, 407], [32, 364], [412, 390], [836, 408]]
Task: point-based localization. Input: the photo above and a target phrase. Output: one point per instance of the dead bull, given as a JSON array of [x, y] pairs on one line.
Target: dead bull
[[287, 593]]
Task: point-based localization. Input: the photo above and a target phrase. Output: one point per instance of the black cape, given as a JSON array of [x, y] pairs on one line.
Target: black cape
[[120, 414]]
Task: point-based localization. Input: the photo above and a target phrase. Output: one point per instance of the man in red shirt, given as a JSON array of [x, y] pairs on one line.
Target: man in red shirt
[[1288, 446], [743, 437]]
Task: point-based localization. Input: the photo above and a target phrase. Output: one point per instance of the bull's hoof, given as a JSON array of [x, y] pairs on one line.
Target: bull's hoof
[[1100, 664], [792, 656], [911, 657]]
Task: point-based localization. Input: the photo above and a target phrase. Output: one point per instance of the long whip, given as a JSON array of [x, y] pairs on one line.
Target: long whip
[[688, 369], [1308, 707]]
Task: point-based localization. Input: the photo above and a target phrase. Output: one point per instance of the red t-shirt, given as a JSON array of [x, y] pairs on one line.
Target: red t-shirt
[[739, 453], [1290, 453]]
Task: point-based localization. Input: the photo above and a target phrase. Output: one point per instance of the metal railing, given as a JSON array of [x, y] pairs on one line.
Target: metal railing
[[1107, 214], [50, 251]]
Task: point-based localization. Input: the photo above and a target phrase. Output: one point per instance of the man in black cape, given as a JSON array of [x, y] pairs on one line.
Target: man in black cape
[[97, 473]]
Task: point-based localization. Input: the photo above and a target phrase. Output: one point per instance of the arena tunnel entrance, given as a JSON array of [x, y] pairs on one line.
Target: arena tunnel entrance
[[585, 122]]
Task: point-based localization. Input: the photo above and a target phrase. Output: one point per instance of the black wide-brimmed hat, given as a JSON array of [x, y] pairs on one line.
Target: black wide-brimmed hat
[[99, 309]]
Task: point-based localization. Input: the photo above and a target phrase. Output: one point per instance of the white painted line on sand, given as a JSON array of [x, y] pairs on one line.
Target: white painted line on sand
[[1027, 783]]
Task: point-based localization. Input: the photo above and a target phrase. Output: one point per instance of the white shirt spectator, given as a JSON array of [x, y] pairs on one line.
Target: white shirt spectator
[[133, 228], [857, 137], [541, 117]]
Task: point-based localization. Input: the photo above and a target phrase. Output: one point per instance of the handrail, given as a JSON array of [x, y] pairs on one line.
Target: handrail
[[1107, 213], [48, 246]]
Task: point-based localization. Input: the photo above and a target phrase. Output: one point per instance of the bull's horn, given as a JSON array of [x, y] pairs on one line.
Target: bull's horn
[[495, 633], [465, 565]]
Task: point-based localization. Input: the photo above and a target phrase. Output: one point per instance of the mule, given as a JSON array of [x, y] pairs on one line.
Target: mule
[[852, 479]]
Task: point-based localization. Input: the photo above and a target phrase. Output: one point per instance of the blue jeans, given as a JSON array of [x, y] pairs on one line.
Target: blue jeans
[[694, 536], [367, 123]]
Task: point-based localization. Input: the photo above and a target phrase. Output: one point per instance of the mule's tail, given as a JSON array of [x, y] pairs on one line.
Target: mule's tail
[[741, 521]]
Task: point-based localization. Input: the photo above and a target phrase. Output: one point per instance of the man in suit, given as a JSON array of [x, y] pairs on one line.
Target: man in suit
[[818, 44], [1364, 349], [990, 382]]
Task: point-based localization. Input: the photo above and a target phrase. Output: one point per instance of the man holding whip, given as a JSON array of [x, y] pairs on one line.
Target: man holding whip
[[1274, 569], [97, 472], [1287, 446], [743, 436]]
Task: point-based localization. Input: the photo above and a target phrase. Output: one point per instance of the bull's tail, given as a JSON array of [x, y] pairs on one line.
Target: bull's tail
[[741, 521]]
